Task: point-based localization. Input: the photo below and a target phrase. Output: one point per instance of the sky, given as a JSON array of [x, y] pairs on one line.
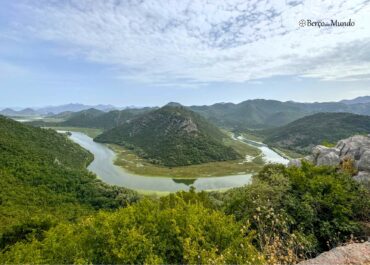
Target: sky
[[148, 53]]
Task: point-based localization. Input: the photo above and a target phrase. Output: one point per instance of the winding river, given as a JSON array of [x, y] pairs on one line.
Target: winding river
[[103, 166]]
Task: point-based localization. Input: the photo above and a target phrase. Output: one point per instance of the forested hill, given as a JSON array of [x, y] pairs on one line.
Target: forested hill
[[171, 136], [93, 118], [263, 114], [321, 128], [44, 181]]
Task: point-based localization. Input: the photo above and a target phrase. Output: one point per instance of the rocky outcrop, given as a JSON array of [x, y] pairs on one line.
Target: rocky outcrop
[[355, 149], [357, 253]]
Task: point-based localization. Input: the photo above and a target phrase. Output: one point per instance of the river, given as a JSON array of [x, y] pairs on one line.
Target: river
[[103, 166]]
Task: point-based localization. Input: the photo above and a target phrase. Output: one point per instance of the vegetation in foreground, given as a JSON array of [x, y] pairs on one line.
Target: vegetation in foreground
[[171, 136], [284, 216]]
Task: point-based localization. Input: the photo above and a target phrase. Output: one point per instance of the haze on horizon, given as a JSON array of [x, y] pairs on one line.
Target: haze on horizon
[[148, 53]]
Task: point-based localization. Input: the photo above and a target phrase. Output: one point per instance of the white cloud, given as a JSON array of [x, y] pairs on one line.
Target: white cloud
[[163, 41]]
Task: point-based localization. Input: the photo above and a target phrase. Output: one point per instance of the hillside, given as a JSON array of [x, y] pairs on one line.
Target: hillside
[[171, 136], [91, 118], [321, 128], [44, 181], [82, 118], [264, 114]]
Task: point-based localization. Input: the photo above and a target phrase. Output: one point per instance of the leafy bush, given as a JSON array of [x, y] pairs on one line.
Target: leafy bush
[[323, 206], [151, 232]]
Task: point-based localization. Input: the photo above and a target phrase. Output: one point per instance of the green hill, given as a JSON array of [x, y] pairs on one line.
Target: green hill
[[92, 118], [44, 181], [82, 118], [171, 136], [321, 128], [264, 114]]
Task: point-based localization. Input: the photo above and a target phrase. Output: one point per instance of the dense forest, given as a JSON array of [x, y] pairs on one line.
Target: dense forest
[[321, 128], [44, 181], [171, 136]]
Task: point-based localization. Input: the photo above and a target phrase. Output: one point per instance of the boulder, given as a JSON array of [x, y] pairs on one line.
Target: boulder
[[364, 161], [330, 158], [295, 163], [357, 253], [322, 155], [362, 176], [355, 148]]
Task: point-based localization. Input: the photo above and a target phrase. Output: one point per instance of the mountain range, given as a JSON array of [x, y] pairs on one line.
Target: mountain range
[[53, 110]]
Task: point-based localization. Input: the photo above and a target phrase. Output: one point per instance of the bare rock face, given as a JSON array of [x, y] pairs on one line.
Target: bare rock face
[[357, 253], [356, 148]]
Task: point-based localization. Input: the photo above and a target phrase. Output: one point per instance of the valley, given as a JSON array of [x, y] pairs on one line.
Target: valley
[[117, 166]]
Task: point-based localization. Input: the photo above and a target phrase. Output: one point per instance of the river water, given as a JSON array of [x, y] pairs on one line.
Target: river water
[[103, 166]]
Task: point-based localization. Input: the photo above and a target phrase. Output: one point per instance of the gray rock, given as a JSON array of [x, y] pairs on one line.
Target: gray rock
[[363, 176], [328, 159], [325, 156], [364, 161], [295, 163], [357, 253], [355, 148]]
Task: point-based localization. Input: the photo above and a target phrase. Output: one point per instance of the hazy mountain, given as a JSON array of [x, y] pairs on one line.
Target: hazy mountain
[[171, 136], [14, 113], [301, 135], [73, 107], [365, 99], [104, 120]]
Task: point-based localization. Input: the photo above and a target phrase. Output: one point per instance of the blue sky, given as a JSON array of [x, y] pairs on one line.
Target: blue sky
[[194, 52]]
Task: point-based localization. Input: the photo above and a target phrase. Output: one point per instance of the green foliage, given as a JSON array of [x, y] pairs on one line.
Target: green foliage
[[320, 204], [321, 128], [44, 180], [150, 232], [171, 136]]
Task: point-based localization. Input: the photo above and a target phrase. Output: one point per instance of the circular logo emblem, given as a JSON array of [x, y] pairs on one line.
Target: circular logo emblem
[[302, 23]]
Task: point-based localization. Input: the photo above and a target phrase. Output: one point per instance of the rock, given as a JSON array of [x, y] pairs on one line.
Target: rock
[[295, 163], [363, 176], [325, 156], [364, 161], [357, 253], [355, 148], [330, 158]]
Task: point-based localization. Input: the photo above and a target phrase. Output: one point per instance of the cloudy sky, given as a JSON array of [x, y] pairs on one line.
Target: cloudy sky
[[146, 52]]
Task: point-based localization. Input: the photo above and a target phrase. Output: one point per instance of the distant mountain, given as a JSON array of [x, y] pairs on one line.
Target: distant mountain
[[263, 114], [104, 120], [321, 128], [8, 112], [358, 100], [171, 136], [73, 107], [14, 113]]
